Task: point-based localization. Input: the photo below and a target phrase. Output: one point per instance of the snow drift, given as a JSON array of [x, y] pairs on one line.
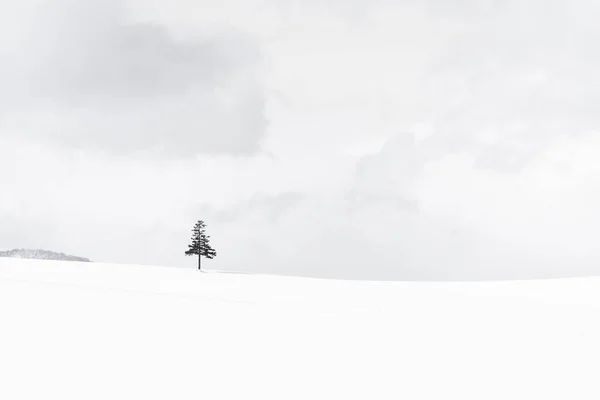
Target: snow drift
[[95, 331]]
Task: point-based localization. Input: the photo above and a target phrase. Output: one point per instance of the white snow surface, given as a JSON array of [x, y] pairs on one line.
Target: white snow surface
[[73, 330]]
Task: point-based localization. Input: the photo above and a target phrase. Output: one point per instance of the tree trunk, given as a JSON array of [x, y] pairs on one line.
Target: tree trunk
[[199, 262]]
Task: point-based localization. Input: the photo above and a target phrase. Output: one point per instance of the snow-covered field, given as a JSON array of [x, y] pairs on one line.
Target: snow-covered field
[[95, 331]]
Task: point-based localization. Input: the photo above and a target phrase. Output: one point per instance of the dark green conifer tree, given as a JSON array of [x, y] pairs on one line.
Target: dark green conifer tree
[[200, 244]]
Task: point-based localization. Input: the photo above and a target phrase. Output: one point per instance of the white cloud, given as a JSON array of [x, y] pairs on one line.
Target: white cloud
[[403, 140]]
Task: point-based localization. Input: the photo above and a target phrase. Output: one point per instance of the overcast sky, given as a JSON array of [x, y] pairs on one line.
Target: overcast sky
[[354, 139]]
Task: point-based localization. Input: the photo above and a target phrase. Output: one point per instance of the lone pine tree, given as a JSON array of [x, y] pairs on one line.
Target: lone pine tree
[[200, 244]]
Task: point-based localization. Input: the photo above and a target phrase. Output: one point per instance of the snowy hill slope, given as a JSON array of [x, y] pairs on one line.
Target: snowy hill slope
[[92, 331]]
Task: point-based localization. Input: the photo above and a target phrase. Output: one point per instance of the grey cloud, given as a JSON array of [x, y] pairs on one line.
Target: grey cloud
[[388, 177], [105, 58], [123, 86], [24, 231], [352, 9], [379, 243], [504, 158], [274, 206], [271, 207], [514, 77], [358, 199]]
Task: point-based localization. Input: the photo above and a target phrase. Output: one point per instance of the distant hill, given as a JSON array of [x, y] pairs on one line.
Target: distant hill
[[41, 255]]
